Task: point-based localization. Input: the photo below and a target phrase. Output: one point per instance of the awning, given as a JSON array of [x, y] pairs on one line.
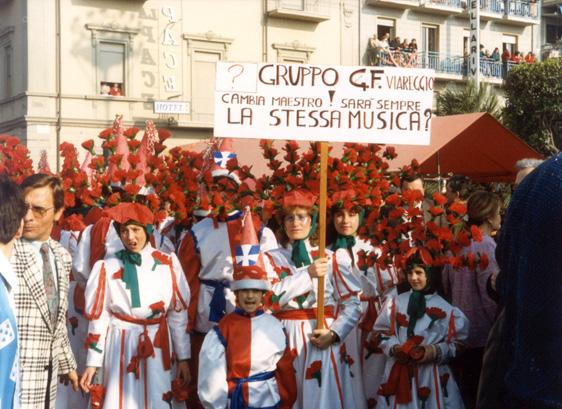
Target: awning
[[474, 145]]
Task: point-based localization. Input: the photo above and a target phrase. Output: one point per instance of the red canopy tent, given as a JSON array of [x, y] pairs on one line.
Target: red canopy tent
[[475, 145]]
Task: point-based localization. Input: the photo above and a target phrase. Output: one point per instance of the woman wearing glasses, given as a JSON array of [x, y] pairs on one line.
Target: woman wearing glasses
[[321, 362]]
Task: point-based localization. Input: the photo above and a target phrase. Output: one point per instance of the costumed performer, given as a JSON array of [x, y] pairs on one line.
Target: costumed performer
[[245, 361], [136, 302], [420, 333], [321, 363]]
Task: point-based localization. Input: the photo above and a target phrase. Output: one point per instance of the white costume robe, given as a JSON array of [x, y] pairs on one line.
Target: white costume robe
[[116, 328], [246, 346], [77, 327], [444, 326], [376, 286], [323, 376]]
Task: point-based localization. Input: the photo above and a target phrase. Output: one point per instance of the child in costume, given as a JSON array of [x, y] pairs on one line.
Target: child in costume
[[420, 333], [136, 302], [207, 255], [321, 364], [376, 286], [245, 361]]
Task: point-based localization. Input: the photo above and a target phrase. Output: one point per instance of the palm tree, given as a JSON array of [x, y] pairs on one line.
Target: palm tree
[[468, 99]]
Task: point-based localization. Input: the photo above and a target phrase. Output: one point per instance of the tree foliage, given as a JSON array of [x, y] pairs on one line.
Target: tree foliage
[[468, 99], [533, 107]]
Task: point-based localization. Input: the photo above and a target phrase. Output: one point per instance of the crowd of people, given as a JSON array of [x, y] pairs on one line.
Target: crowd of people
[[383, 51], [137, 311]]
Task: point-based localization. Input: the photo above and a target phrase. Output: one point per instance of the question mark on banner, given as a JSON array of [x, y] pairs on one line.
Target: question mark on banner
[[428, 114], [236, 70]]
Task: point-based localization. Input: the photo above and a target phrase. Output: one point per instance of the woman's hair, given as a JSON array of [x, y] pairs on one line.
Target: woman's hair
[[482, 206], [282, 235]]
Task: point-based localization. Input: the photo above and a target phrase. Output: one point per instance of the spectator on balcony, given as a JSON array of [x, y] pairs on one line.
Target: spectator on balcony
[[395, 44], [377, 48], [530, 58], [506, 56], [413, 46], [405, 46], [516, 58], [496, 55]]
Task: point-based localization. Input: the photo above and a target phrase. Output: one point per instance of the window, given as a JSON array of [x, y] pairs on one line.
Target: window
[[203, 53], [110, 53], [6, 63], [553, 33], [466, 42], [203, 88], [430, 38], [294, 53], [111, 69], [509, 42], [385, 26]]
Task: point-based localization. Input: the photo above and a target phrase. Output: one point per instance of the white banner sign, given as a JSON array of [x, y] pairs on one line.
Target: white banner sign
[[324, 103]]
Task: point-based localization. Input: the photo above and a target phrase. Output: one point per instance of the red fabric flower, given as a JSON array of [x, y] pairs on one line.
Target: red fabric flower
[[484, 261], [401, 320], [134, 366], [476, 233], [91, 342], [179, 390], [89, 145], [314, 371], [97, 395], [131, 132]]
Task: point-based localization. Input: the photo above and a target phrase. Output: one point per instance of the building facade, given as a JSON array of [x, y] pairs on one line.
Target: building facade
[[67, 67]]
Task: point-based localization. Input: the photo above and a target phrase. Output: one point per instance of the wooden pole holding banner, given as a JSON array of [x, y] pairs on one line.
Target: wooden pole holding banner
[[322, 229]]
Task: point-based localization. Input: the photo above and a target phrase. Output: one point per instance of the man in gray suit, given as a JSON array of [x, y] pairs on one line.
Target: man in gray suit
[[42, 266]]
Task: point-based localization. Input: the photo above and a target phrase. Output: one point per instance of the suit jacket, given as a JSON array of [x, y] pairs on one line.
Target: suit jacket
[[40, 341]]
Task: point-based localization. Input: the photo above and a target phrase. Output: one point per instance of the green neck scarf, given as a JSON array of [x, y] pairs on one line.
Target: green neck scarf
[[300, 255], [416, 310], [130, 260], [344, 242]]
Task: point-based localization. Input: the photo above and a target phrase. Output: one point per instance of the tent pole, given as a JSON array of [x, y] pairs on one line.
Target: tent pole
[[439, 171]]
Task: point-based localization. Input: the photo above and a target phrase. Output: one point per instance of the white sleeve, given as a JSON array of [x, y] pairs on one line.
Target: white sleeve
[[268, 241], [177, 317], [81, 258], [212, 386], [457, 333], [347, 287], [383, 326], [97, 311]]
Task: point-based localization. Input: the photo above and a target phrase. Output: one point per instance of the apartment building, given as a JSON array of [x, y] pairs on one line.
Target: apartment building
[[67, 67]]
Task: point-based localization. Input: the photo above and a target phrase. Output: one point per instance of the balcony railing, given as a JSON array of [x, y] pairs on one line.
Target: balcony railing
[[454, 65], [446, 3], [312, 10], [510, 10]]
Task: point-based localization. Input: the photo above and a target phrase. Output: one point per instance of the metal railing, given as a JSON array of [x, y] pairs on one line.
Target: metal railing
[[446, 3], [310, 6], [442, 63]]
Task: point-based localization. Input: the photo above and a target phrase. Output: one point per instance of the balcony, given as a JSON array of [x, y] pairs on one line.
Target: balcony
[[395, 4], [314, 11], [447, 67], [444, 7], [518, 12]]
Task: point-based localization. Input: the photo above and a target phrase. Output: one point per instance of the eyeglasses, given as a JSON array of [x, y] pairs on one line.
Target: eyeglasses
[[301, 218], [37, 211]]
